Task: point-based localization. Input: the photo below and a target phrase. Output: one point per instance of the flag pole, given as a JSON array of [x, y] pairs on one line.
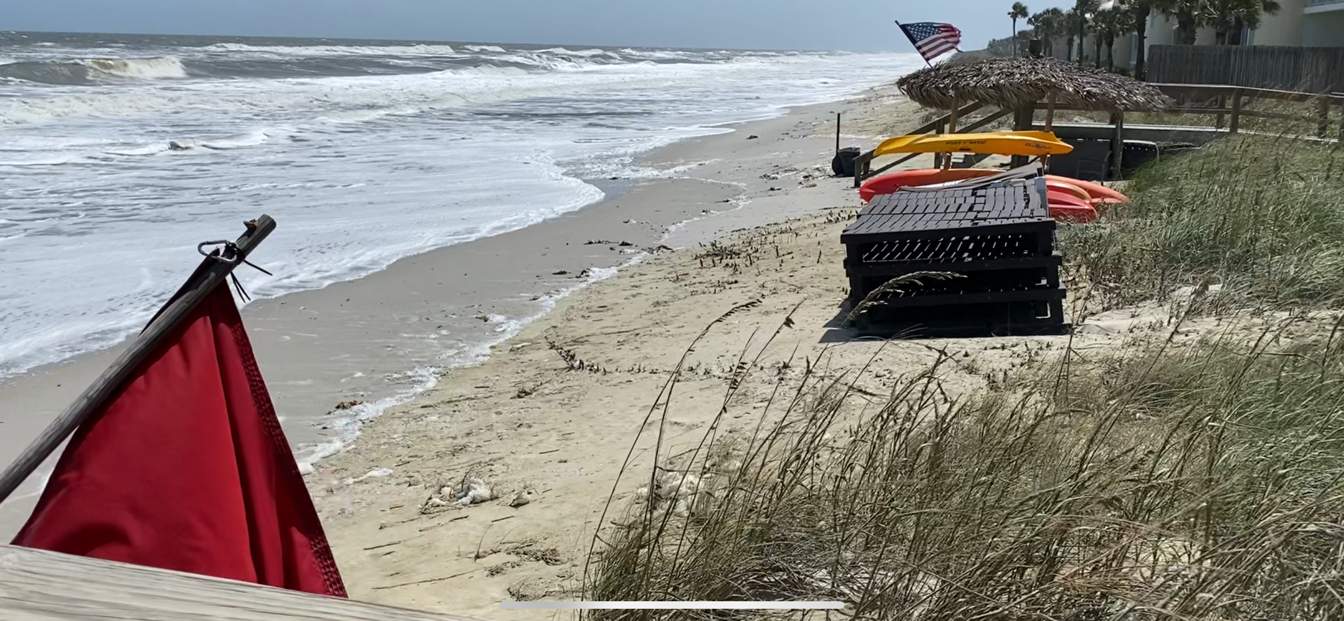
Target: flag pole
[[212, 272]]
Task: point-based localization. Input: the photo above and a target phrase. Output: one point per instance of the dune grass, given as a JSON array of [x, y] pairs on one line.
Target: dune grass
[[1193, 480], [1262, 219], [1178, 477]]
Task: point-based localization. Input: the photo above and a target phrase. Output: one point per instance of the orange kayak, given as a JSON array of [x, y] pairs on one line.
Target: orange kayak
[[1062, 185], [1095, 190]]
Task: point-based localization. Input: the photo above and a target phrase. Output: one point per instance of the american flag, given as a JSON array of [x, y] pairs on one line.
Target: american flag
[[932, 38]]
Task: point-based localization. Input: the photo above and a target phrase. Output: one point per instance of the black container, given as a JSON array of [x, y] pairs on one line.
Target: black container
[[843, 162]]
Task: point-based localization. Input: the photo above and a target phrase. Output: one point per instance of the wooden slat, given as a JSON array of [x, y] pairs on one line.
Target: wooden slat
[[36, 585]]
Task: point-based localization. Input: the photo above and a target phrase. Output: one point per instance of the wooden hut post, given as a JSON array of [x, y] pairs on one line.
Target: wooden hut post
[[946, 158], [1022, 121], [1117, 143], [1234, 123], [1049, 123], [1322, 116]]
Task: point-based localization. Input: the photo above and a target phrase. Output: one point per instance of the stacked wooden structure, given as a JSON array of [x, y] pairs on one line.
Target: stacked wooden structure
[[980, 255]]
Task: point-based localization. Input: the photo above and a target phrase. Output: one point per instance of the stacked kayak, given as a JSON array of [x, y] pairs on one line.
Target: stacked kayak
[[1071, 200], [1028, 143]]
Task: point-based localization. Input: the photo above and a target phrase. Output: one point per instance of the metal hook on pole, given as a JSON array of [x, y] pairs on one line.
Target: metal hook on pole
[[212, 271]]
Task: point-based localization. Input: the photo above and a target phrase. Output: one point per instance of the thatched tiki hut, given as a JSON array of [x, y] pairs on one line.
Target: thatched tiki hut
[[1019, 85], [1015, 83]]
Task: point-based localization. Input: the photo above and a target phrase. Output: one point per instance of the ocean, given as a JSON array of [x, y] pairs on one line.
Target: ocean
[[366, 151]]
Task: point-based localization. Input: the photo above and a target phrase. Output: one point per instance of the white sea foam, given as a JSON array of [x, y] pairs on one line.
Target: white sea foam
[[346, 424], [237, 141], [139, 68], [334, 50]]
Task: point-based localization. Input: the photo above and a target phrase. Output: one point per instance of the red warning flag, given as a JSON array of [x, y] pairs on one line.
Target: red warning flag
[[188, 469]]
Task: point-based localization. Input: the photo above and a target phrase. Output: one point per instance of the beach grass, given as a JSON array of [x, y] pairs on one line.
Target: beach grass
[[1260, 220], [1183, 478]]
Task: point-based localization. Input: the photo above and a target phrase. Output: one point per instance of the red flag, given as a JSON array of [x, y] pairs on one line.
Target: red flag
[[187, 469]]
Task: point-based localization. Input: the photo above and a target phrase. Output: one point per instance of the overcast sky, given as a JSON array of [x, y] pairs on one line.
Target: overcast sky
[[811, 24]]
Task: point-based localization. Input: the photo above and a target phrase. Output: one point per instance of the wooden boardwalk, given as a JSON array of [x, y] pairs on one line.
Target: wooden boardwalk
[[36, 585]]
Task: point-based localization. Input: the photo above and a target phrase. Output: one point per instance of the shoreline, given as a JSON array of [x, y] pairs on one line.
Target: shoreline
[[390, 368], [547, 432]]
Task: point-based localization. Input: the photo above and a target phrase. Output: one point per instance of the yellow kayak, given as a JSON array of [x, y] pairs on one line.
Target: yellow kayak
[[997, 143]]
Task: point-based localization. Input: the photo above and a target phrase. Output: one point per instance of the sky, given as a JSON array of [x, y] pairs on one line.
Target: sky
[[783, 24]]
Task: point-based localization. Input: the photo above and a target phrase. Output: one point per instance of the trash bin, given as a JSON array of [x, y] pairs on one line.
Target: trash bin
[[843, 162]]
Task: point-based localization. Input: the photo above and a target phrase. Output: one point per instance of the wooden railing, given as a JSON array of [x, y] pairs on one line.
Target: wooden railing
[[863, 164], [1229, 105], [37, 584]]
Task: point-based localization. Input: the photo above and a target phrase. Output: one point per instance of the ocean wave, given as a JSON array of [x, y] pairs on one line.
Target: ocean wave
[[589, 53], [89, 70], [238, 141], [495, 49], [419, 49]]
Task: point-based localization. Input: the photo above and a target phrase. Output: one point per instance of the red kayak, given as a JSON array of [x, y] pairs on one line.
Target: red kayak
[[1069, 208], [890, 182], [1096, 190], [1071, 200]]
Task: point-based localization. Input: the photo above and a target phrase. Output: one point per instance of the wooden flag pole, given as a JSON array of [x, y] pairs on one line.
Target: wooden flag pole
[[213, 272]]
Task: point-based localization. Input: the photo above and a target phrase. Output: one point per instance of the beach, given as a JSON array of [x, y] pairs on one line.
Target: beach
[[401, 251], [542, 408], [621, 283], [547, 419]]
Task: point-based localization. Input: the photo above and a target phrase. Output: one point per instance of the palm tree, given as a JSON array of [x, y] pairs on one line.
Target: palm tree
[[1080, 13], [1048, 25], [1189, 15], [1229, 17], [1018, 11], [1108, 24], [1139, 12], [1039, 30]]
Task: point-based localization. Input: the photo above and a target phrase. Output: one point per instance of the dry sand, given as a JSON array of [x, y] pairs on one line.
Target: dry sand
[[549, 418]]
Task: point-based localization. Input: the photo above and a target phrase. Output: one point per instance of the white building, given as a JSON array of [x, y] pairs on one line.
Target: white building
[[1304, 23], [1299, 23], [1308, 23]]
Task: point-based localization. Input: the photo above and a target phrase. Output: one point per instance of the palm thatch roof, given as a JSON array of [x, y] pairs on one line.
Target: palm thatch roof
[[1016, 82]]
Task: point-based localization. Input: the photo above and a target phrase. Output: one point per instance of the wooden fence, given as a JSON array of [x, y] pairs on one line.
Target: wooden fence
[[1309, 69]]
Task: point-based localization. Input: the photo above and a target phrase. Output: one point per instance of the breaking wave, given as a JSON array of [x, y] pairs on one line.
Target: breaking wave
[[91, 70]]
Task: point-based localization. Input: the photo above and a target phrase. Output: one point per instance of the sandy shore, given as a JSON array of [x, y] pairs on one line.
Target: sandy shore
[[548, 419], [746, 220]]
